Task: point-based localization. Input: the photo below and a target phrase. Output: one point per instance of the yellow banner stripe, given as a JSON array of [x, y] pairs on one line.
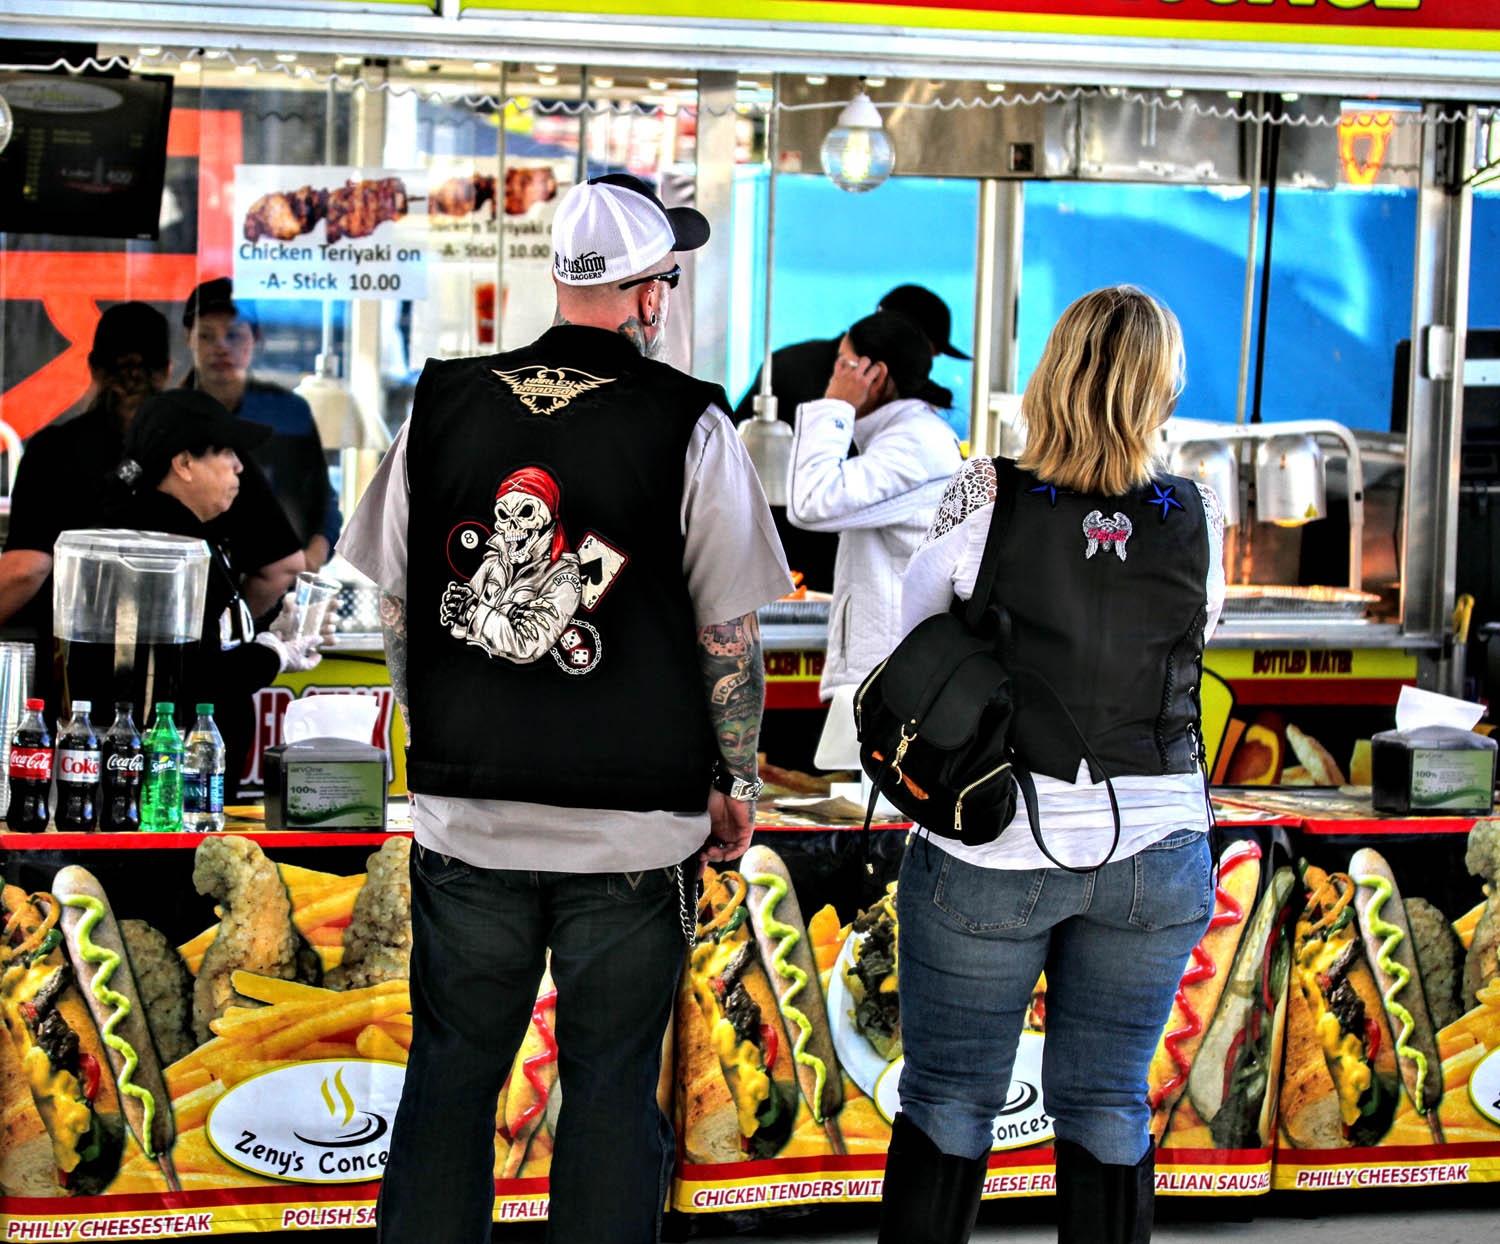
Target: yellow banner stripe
[[888, 16]]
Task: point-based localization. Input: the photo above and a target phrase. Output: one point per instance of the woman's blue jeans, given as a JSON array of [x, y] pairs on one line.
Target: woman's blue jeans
[[1113, 944], [480, 938]]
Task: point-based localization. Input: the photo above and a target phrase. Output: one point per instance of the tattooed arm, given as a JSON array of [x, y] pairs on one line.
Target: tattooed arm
[[393, 629], [735, 681]]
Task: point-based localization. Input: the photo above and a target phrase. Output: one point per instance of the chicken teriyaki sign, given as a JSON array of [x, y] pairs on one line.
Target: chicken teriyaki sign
[[321, 232]]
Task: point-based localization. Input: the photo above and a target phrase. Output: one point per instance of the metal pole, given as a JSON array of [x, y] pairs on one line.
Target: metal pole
[[1247, 305], [984, 312], [765, 401], [581, 171], [497, 209], [330, 157], [1265, 267]]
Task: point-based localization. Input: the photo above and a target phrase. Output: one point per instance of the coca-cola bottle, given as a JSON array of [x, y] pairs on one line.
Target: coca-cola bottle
[[78, 772], [30, 773], [122, 763]]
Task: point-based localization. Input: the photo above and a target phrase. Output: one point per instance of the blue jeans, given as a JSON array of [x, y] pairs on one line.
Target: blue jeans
[[479, 942], [1113, 943]]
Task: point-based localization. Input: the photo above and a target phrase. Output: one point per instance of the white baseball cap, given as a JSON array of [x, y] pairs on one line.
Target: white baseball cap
[[611, 228]]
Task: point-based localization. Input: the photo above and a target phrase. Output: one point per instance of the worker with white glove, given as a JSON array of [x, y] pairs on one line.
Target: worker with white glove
[[180, 473]]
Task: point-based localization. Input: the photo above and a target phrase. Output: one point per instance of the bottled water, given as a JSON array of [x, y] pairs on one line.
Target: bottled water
[[203, 775]]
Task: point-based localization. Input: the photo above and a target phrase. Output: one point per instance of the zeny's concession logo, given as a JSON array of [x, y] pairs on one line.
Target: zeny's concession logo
[[315, 1123], [1022, 1122]]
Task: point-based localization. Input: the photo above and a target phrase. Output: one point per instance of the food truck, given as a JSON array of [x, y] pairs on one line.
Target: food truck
[[1018, 130]]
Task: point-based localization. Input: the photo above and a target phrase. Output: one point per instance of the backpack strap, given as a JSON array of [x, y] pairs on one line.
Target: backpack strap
[[981, 606]]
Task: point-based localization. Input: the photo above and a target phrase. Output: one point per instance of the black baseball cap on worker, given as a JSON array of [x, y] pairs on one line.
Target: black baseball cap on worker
[[131, 328], [929, 312], [188, 420], [215, 295]]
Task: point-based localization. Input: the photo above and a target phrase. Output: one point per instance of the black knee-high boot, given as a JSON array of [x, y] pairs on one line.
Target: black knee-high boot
[[930, 1197], [1098, 1203]]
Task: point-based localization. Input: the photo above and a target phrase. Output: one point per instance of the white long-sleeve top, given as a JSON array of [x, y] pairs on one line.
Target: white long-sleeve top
[[1074, 816], [881, 503]]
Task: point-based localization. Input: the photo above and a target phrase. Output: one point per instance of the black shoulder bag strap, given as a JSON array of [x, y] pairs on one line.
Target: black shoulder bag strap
[[979, 612]]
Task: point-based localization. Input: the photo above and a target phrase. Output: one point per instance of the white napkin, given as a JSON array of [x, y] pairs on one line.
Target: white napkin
[[1416, 707], [331, 717]]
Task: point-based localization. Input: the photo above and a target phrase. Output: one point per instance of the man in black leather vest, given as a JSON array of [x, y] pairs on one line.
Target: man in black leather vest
[[571, 544]]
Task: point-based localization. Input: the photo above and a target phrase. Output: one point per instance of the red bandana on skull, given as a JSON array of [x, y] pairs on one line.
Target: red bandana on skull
[[535, 482]]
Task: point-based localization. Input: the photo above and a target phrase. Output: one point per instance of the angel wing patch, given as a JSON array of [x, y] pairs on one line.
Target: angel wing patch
[[1108, 533], [546, 390]]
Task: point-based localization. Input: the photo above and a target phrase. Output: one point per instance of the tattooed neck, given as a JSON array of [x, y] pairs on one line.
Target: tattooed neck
[[635, 332], [560, 318]]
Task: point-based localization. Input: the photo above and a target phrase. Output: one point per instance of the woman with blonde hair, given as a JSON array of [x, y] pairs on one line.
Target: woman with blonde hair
[[1112, 575]]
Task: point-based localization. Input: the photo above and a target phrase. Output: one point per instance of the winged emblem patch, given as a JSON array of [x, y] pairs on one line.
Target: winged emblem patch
[[546, 390]]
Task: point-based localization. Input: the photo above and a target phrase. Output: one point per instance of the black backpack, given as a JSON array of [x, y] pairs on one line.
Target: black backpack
[[934, 723]]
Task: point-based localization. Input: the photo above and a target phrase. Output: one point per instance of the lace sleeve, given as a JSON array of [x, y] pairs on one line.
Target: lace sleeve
[[973, 487]]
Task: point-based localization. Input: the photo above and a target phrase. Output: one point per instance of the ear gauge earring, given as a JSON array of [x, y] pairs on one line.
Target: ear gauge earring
[[653, 320]]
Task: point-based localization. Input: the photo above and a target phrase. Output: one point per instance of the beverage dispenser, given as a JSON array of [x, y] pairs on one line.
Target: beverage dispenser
[[126, 605]]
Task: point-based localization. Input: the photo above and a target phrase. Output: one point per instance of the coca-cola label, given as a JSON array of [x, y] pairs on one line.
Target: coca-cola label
[[31, 764], [75, 766], [118, 762]]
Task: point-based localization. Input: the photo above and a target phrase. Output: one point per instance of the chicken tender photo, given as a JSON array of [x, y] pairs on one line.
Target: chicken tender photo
[[256, 933], [377, 941]]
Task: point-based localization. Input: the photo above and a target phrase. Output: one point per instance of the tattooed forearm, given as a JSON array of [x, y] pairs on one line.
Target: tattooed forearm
[[393, 628], [735, 681]]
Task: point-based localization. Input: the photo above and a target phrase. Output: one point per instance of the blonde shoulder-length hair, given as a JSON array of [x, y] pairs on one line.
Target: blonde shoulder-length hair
[[1107, 380]]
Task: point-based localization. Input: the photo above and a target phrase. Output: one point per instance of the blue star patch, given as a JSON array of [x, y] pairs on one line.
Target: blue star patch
[[1164, 498], [1049, 489]]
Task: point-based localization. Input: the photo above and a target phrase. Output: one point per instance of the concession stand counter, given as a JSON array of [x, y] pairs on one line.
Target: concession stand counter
[[281, 1099]]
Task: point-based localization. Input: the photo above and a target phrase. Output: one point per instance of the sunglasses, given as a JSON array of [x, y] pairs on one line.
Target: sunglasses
[[671, 277]]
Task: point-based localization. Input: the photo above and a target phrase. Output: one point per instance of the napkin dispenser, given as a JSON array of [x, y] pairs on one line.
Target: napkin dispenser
[[1442, 769], [325, 784]]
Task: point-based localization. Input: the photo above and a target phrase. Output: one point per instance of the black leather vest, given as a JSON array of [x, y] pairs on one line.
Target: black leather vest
[[1107, 601], [552, 654]]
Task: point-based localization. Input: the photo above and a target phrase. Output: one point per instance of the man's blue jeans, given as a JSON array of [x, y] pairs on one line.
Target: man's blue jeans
[[480, 938], [1113, 944]]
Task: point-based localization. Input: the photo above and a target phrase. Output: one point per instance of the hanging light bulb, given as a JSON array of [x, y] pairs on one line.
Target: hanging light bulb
[[857, 154]]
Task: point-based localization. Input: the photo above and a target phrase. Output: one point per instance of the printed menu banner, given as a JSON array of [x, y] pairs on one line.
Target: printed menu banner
[[320, 232], [472, 209], [789, 1054], [261, 992]]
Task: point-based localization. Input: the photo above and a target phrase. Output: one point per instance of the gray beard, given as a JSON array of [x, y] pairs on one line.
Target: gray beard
[[657, 346]]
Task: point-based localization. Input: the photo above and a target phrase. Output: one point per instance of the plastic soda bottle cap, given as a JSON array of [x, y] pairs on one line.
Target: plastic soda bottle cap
[[205, 710], [165, 706], [36, 705], [83, 706]]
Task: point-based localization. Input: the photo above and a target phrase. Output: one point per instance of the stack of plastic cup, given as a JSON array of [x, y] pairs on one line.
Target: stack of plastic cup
[[17, 665]]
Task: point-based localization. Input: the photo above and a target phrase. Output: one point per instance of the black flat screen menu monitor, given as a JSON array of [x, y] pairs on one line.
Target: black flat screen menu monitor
[[88, 155]]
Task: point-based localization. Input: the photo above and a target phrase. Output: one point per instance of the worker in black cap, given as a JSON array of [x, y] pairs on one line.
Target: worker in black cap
[[799, 373], [222, 334], [180, 472], [60, 487]]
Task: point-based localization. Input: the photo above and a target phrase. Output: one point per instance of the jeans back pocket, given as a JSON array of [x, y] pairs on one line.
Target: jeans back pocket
[[986, 900], [1172, 881]]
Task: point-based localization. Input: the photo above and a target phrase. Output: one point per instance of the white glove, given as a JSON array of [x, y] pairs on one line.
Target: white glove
[[296, 653]]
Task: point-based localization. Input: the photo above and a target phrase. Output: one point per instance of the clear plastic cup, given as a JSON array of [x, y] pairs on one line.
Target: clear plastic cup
[[315, 595]]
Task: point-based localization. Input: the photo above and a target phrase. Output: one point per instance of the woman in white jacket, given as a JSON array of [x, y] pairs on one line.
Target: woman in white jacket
[[880, 501]]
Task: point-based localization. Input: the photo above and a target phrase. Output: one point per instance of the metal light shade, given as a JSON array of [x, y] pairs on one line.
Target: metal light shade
[[334, 409], [857, 154], [769, 443], [1213, 463], [1290, 486]]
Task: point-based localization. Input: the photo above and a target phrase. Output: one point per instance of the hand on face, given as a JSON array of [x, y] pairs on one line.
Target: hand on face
[[857, 380]]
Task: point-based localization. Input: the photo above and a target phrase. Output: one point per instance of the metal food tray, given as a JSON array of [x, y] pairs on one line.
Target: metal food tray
[[1258, 601], [809, 612]]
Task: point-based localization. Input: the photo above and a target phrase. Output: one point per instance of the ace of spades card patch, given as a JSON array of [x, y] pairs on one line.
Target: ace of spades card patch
[[599, 564]]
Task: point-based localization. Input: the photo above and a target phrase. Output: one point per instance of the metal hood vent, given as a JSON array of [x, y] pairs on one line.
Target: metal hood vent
[[1023, 140], [1122, 137]]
